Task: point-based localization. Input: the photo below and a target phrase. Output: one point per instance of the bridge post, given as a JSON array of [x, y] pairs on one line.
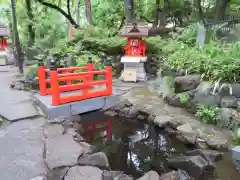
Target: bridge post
[[90, 68], [109, 78], [42, 77], [54, 84]]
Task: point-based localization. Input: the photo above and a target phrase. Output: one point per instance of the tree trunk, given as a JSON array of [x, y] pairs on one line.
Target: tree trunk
[[78, 12], [88, 11], [155, 24], [129, 10], [31, 31], [17, 44], [221, 7]]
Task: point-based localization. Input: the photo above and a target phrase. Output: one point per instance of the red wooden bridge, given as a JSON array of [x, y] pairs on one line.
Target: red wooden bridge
[[66, 85]]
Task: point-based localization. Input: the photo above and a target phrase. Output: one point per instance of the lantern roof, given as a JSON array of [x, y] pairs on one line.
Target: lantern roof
[[4, 31], [135, 30]]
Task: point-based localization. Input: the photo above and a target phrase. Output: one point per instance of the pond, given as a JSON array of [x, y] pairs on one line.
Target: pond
[[136, 147]]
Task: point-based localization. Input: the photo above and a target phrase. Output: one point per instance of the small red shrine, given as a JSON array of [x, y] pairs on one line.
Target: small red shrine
[[135, 52], [4, 33]]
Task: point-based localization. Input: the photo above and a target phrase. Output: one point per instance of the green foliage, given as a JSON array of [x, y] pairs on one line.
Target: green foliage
[[184, 98], [236, 136], [208, 115]]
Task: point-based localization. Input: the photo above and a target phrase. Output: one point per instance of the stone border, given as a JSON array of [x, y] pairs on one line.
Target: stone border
[[181, 131]]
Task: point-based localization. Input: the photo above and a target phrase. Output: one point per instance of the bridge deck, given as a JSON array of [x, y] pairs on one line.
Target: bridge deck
[[79, 107]]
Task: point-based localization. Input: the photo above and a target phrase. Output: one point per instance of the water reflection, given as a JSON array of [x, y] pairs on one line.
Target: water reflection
[[135, 147]]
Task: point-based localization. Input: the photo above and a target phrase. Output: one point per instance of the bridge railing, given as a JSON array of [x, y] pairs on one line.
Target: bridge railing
[[66, 85]]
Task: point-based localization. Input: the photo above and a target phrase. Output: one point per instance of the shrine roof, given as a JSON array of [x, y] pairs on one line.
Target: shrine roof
[[4, 31], [135, 30]]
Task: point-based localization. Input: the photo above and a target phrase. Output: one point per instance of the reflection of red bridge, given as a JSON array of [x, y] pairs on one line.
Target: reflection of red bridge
[[66, 85]]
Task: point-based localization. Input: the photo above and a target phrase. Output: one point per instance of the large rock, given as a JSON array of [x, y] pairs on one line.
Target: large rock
[[230, 90], [204, 87], [186, 83], [98, 159], [193, 165], [62, 151], [151, 175], [84, 173], [206, 100], [229, 102], [166, 88]]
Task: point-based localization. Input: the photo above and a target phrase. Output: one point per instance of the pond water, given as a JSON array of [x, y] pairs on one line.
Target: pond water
[[137, 148]]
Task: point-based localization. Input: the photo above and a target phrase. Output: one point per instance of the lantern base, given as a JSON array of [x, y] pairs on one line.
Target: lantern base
[[133, 69]]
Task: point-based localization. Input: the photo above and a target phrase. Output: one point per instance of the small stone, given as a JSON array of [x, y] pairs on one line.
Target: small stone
[[110, 175], [188, 137], [133, 111], [162, 121], [141, 117], [228, 102], [123, 177], [53, 130], [87, 148], [208, 155], [151, 175], [39, 178], [111, 113], [193, 165], [98, 159], [84, 173], [216, 142], [185, 128], [124, 112]]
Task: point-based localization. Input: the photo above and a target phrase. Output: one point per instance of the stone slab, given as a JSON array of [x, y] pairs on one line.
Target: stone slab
[[19, 111], [21, 149], [62, 151], [77, 107]]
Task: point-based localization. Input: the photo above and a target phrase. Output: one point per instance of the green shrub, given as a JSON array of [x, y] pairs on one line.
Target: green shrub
[[208, 115]]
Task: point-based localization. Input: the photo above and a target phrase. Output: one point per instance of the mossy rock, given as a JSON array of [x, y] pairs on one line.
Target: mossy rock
[[166, 88]]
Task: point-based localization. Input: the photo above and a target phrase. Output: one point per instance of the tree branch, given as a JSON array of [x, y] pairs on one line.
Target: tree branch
[[68, 16]]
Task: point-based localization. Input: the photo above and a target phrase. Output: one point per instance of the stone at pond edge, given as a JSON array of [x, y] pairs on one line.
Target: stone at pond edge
[[110, 175], [151, 175], [228, 102], [62, 151], [123, 177], [175, 175], [193, 165], [185, 128], [225, 115], [87, 148], [162, 121], [84, 173], [186, 83], [57, 173], [98, 159], [210, 156]]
